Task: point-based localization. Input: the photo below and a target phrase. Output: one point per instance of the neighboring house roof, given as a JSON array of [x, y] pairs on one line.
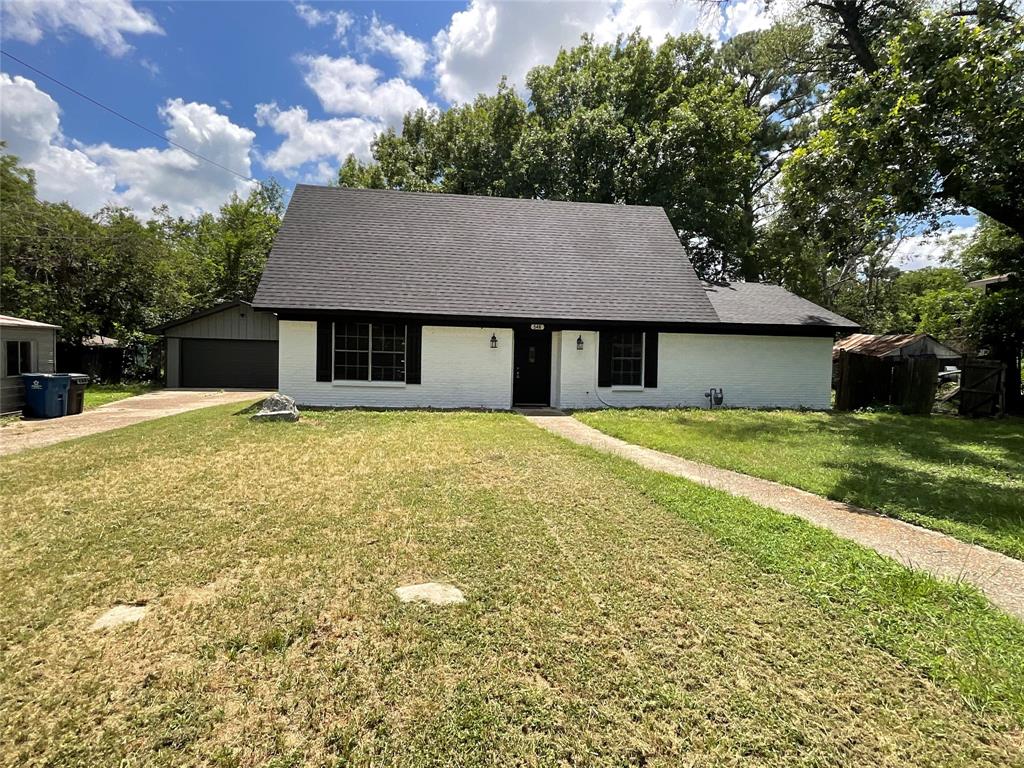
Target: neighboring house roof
[[752, 303], [987, 281], [19, 322], [198, 314], [430, 254], [891, 344], [439, 254], [100, 341]]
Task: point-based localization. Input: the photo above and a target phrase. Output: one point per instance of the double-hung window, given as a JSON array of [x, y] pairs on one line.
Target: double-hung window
[[627, 359], [18, 357], [369, 351]]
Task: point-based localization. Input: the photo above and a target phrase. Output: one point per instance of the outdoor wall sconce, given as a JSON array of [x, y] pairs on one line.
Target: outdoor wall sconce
[[579, 342], [494, 341]]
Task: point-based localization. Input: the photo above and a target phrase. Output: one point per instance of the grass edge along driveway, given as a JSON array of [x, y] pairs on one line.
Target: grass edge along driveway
[[962, 477], [615, 615]]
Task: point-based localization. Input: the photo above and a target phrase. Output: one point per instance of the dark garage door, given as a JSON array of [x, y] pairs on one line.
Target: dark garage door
[[228, 363]]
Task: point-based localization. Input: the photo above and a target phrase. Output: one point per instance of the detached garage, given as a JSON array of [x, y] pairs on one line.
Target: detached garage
[[229, 346]]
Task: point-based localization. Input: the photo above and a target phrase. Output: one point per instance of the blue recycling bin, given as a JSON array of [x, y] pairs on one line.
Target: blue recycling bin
[[46, 394]]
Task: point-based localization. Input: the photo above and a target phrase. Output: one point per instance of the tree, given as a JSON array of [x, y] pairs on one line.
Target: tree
[[617, 123], [115, 275], [992, 250], [355, 173], [930, 124], [773, 71]]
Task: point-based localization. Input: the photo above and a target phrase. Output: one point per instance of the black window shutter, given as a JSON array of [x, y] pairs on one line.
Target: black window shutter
[[651, 359], [604, 358], [324, 342], [413, 353]]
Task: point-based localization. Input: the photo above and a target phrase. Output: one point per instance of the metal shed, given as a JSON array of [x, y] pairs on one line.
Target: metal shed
[[26, 346], [229, 345]]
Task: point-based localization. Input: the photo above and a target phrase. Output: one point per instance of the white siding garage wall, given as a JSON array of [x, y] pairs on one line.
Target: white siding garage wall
[[458, 370], [754, 371]]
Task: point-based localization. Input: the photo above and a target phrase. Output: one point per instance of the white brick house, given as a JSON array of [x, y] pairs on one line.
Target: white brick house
[[407, 300]]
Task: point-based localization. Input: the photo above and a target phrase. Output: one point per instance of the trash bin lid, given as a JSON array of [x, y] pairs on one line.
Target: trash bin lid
[[44, 375], [79, 378]]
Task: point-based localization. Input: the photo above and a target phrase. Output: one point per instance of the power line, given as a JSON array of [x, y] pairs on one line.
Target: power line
[[126, 118]]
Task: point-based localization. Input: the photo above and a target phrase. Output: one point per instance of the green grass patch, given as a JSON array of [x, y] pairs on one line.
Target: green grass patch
[[101, 394], [958, 476], [614, 616]]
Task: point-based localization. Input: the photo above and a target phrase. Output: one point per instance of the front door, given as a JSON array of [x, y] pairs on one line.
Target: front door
[[531, 379]]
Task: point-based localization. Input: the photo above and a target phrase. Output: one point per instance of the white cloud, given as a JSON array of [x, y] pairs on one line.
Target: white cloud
[[105, 23], [314, 17], [490, 39], [411, 54], [30, 125], [655, 19], [746, 16], [150, 177], [346, 87], [89, 177], [919, 251], [309, 141]]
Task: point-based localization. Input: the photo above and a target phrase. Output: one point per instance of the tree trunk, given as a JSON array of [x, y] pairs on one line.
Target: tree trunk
[[749, 266]]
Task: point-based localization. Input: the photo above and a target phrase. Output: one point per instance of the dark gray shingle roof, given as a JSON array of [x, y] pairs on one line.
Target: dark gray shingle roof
[[766, 304], [438, 254]]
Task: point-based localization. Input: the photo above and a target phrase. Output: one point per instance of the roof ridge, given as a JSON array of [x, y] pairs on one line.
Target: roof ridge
[[464, 196]]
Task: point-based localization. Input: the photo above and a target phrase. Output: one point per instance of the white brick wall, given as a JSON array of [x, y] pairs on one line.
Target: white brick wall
[[459, 370], [754, 371]]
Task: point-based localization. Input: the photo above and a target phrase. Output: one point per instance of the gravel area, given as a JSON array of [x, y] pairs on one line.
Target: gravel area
[[35, 433], [1001, 578]]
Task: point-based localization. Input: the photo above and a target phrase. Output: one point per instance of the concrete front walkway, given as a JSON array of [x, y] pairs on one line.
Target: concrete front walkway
[[1001, 578], [121, 413]]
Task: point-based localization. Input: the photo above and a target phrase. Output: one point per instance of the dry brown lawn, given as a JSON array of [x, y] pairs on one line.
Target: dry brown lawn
[[613, 617]]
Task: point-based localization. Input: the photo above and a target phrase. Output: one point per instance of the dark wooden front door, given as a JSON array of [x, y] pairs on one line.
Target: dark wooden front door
[[531, 377]]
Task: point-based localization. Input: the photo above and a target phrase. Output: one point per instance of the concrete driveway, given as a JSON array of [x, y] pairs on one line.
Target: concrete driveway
[[122, 413]]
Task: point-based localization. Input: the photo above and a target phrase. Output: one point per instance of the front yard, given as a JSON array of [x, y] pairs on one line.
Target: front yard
[[614, 616], [962, 477]]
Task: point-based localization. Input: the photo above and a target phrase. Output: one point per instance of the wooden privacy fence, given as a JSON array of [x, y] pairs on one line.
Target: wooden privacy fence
[[981, 387], [907, 382]]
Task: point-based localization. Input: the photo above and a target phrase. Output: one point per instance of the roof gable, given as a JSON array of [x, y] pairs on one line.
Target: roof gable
[[438, 254]]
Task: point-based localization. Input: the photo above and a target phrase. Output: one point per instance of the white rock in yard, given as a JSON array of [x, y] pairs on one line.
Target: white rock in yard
[[277, 407], [431, 592], [119, 614]]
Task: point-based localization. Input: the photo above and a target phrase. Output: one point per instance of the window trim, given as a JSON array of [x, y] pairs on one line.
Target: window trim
[[31, 355], [643, 366], [369, 381]]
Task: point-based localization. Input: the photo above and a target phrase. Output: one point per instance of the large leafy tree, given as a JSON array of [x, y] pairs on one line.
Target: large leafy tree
[[617, 123], [929, 120], [115, 275], [780, 84]]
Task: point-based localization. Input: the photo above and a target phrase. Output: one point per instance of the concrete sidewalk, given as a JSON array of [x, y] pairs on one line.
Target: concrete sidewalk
[[122, 413], [1001, 578]]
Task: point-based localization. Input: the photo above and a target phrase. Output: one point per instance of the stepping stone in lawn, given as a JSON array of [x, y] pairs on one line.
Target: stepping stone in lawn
[[119, 614], [431, 592]]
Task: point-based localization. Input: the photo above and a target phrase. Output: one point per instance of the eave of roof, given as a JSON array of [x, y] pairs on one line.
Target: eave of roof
[[9, 321]]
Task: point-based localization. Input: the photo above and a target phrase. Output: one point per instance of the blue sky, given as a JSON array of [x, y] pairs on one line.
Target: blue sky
[[283, 89]]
